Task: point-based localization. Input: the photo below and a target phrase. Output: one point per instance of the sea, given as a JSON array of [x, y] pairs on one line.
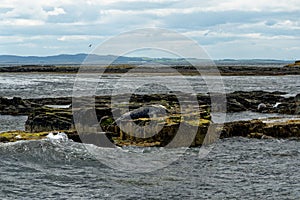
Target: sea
[[234, 168]]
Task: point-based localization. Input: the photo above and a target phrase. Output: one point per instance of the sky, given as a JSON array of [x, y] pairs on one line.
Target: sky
[[237, 29]]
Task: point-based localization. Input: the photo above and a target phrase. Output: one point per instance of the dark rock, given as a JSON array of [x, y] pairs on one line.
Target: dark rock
[[15, 106], [4, 139], [281, 129], [234, 106], [42, 118], [49, 119], [297, 104], [259, 136]]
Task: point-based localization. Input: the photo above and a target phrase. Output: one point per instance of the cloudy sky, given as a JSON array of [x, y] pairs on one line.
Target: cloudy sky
[[225, 29]]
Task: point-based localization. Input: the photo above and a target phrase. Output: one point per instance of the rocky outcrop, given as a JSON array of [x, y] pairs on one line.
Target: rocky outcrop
[[49, 119], [261, 129], [172, 136], [295, 65], [268, 128], [248, 101], [156, 131], [52, 119], [291, 69], [43, 118], [15, 106], [13, 136], [40, 68], [236, 70], [236, 102], [19, 106]]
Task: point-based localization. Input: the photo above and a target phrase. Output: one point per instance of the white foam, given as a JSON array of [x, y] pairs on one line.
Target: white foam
[[18, 137], [58, 136]]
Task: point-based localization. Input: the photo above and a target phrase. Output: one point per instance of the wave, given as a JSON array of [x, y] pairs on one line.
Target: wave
[[58, 150], [52, 149]]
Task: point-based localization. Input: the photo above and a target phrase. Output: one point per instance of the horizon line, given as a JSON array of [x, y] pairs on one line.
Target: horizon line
[[215, 59]]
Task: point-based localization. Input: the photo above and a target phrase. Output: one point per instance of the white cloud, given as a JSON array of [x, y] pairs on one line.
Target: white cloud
[[158, 12], [207, 37], [21, 22], [287, 24], [56, 11], [219, 24], [109, 2], [79, 37], [237, 49], [244, 5], [184, 7], [10, 39]]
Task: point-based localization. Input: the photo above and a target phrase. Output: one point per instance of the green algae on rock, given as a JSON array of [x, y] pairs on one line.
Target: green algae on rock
[[13, 136], [260, 129]]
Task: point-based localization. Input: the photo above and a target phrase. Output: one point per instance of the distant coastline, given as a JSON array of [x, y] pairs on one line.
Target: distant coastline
[[291, 69], [78, 59]]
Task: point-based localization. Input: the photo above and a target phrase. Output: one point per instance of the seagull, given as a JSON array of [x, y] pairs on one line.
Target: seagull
[[276, 105], [261, 106]]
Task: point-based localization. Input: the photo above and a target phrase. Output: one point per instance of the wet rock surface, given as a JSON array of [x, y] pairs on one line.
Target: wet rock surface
[[16, 106], [274, 102], [295, 65], [49, 119], [39, 68], [180, 134], [291, 69], [236, 102], [190, 126]]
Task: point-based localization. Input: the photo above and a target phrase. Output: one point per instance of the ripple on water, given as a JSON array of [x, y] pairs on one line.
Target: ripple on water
[[236, 168], [8, 122], [54, 85]]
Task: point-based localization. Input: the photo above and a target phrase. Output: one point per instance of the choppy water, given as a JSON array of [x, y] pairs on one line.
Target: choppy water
[[8, 122], [236, 168], [54, 85]]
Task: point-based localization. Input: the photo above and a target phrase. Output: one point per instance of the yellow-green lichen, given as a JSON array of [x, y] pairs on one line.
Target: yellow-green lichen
[[12, 136]]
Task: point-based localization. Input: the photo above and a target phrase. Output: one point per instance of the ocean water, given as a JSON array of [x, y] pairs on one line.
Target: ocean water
[[236, 168], [60, 85], [8, 122], [57, 168]]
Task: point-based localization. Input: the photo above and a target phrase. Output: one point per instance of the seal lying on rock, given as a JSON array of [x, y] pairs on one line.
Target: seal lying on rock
[[150, 111], [133, 123]]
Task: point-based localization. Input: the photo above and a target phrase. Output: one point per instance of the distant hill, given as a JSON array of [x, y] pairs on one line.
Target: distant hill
[[252, 62], [77, 59], [59, 59]]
